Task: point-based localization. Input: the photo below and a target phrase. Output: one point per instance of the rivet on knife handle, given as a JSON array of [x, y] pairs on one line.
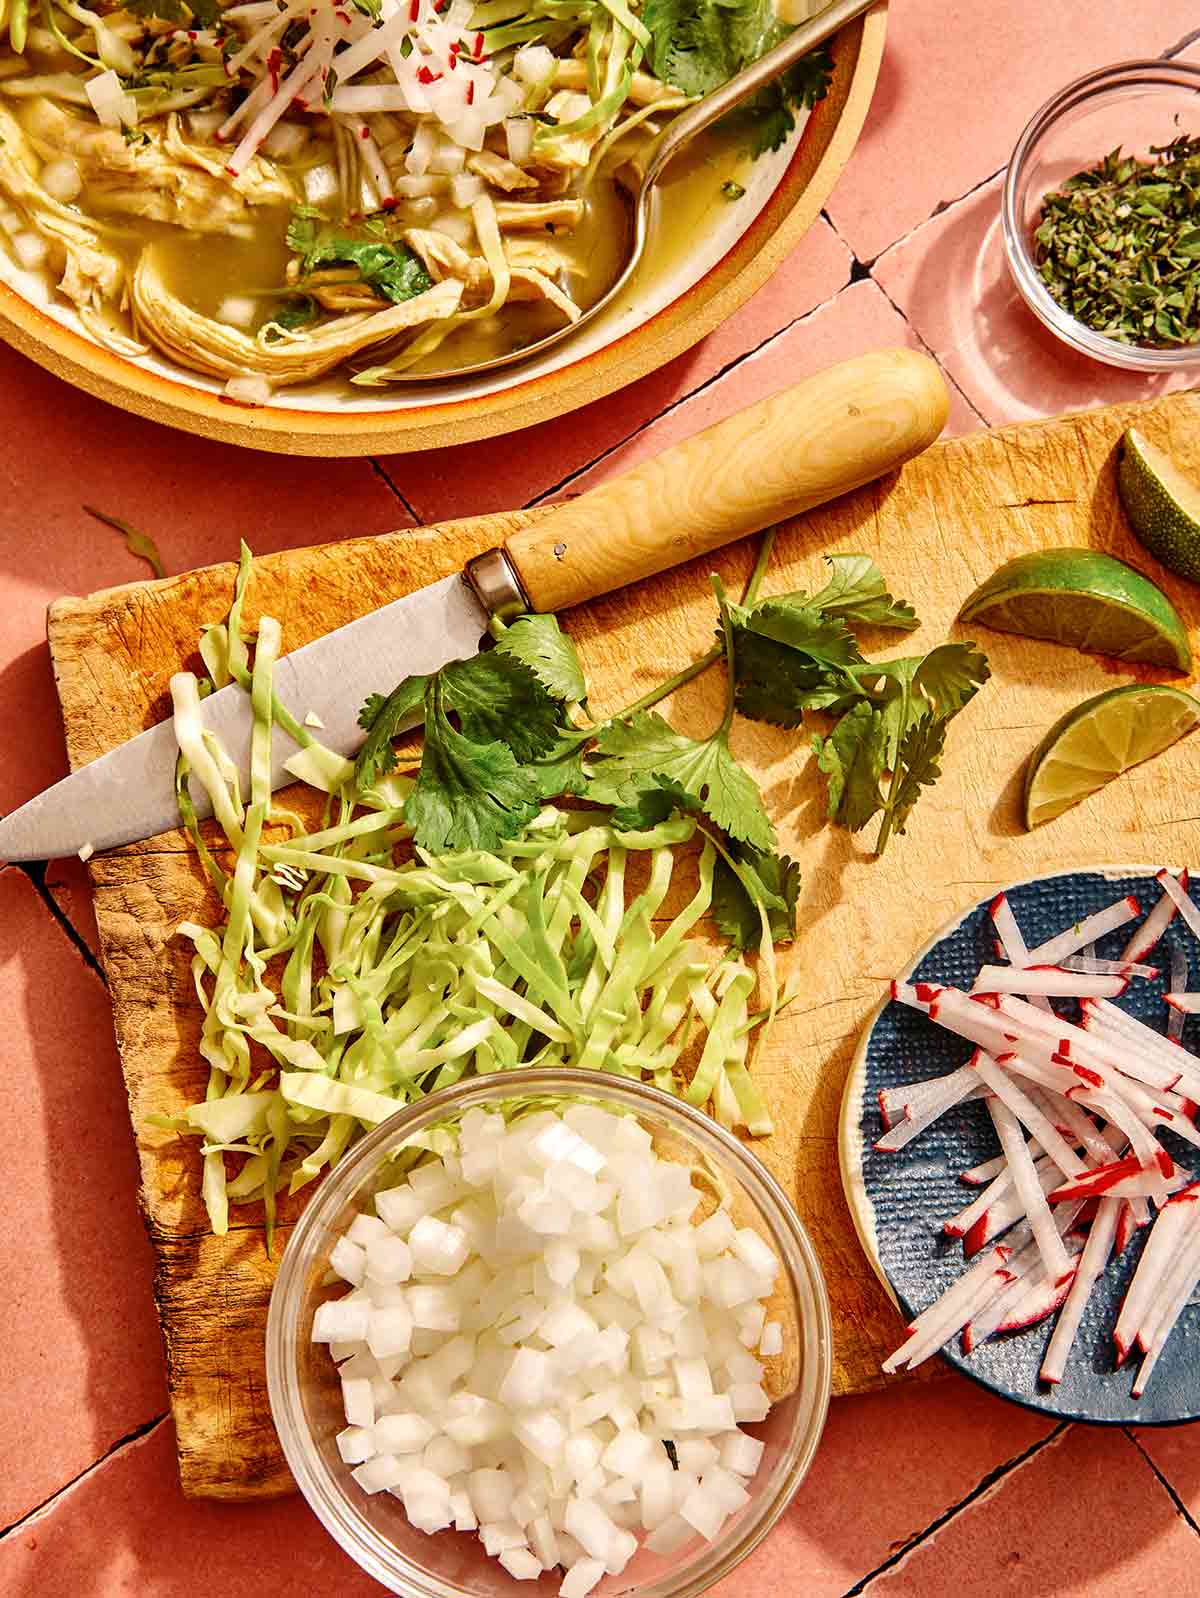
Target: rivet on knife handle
[[839, 429]]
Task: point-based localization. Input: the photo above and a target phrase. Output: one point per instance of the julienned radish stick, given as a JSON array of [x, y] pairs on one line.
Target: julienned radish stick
[[1030, 1116], [1084, 932], [1183, 901], [1161, 1248], [1088, 1271], [1185, 1285], [953, 1309], [1050, 980], [1152, 928], [1012, 940], [1110, 968], [1027, 1185], [1179, 976], [960, 1085]]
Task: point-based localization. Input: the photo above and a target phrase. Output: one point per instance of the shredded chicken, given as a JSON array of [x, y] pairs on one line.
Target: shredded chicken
[[158, 176], [90, 274], [501, 174], [513, 214], [280, 355], [643, 90]]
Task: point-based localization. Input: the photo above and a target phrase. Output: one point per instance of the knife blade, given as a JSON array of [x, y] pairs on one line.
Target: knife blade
[[837, 430]]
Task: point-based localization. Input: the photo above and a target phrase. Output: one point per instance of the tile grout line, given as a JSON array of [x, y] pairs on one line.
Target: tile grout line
[[380, 471], [1180, 1507], [982, 1489], [35, 871], [130, 1440], [683, 399], [1173, 50], [861, 269]]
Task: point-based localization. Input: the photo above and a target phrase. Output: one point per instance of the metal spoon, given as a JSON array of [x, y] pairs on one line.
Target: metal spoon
[[679, 133]]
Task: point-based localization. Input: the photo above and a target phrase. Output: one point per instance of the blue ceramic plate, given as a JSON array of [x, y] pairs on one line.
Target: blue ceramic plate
[[901, 1200]]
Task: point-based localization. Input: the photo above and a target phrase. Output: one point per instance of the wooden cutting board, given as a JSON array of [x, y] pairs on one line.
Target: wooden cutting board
[[937, 528]]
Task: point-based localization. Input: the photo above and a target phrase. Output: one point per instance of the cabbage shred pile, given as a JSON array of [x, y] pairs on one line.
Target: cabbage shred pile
[[354, 972]]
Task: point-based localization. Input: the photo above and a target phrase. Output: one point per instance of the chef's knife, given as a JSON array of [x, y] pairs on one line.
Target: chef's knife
[[839, 429]]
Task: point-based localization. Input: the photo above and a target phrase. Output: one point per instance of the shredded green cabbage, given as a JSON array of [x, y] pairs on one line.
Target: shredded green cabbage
[[352, 974]]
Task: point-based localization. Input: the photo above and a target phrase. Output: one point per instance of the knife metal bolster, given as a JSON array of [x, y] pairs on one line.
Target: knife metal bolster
[[493, 580]]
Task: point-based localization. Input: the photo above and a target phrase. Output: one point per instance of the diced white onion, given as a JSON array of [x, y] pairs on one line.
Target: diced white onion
[[518, 132], [29, 249], [533, 63], [112, 105], [529, 1316], [61, 179], [248, 390], [465, 189], [237, 310]]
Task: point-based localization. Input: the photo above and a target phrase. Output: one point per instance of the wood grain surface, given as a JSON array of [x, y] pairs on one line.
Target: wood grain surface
[[937, 528], [844, 426]]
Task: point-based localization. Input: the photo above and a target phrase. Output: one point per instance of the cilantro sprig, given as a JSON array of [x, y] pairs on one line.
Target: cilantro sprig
[[511, 728], [697, 45], [392, 269]]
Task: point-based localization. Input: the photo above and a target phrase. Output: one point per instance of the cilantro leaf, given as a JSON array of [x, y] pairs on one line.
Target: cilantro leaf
[[856, 591], [468, 795], [697, 45], [541, 646], [496, 698], [772, 879], [649, 807], [950, 675], [917, 767], [560, 769], [634, 751], [383, 718], [852, 758], [296, 311], [392, 269]]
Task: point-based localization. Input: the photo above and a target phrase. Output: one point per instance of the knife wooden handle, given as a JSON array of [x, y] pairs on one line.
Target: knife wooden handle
[[837, 430]]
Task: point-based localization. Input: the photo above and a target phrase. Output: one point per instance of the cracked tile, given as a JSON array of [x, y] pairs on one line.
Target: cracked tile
[[156, 1544], [68, 885], [1007, 364], [497, 474], [858, 319], [889, 1464], [77, 1315], [1175, 1450], [1084, 1517], [955, 89]]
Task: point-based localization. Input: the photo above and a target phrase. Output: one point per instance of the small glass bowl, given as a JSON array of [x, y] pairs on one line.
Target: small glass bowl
[[305, 1393], [1134, 105]]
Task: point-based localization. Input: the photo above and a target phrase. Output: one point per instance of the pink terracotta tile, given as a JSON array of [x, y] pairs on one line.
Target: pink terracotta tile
[[1086, 1517], [889, 1464], [956, 87], [1176, 1452], [860, 318], [62, 449], [1007, 364], [497, 474], [81, 1353], [127, 1530]]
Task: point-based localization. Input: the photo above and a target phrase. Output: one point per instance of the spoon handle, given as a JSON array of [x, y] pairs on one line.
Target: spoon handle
[[839, 429], [721, 101]]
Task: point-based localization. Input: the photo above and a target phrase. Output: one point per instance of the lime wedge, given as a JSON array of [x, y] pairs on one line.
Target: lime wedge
[[1162, 505], [1100, 739], [1085, 598]]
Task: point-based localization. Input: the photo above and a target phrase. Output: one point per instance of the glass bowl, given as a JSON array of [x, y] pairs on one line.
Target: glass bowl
[[1134, 105], [305, 1393]]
